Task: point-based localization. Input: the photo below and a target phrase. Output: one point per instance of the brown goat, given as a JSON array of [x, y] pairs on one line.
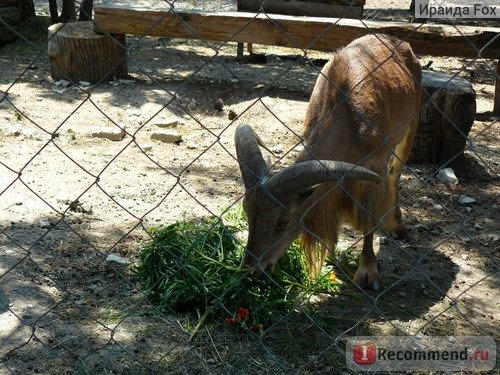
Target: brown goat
[[358, 129]]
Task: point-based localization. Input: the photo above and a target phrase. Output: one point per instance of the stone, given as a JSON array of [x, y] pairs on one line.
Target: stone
[[45, 223], [464, 200], [113, 258], [447, 176], [168, 136], [169, 123], [112, 133], [278, 149]]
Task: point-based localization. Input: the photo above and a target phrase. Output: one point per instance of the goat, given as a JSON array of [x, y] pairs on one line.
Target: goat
[[358, 132]]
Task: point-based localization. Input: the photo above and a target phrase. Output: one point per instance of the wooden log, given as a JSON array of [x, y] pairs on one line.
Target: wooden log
[[77, 53], [355, 3], [447, 115], [301, 8], [12, 17], [297, 32]]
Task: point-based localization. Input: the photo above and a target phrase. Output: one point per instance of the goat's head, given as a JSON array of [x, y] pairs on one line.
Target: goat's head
[[274, 204]]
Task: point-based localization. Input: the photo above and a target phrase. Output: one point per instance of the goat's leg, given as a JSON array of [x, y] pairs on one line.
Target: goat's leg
[[367, 276], [396, 164]]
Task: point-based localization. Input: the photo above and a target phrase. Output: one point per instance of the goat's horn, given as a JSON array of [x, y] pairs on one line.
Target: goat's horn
[[252, 164], [301, 176]]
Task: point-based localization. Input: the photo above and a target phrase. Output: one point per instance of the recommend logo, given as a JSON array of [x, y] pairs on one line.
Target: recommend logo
[[407, 353]]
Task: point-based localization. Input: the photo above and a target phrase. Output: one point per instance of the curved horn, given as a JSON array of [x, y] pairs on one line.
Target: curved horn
[[298, 177], [252, 164]]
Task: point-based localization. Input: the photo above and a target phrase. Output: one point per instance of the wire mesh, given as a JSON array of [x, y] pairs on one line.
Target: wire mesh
[[84, 176]]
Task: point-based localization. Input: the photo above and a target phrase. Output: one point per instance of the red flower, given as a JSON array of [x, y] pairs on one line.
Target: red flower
[[243, 314], [257, 328], [230, 320]]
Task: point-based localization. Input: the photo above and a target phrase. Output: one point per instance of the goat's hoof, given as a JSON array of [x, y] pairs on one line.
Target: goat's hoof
[[399, 232], [368, 278]]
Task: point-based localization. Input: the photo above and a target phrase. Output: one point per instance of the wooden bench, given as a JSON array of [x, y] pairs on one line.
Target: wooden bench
[[309, 8], [299, 32]]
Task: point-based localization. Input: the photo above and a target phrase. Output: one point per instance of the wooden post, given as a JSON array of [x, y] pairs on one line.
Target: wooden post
[[239, 53]]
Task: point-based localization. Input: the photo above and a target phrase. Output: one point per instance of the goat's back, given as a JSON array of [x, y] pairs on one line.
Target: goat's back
[[364, 97]]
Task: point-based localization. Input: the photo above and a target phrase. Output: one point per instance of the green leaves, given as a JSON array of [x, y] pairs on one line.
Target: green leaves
[[194, 266]]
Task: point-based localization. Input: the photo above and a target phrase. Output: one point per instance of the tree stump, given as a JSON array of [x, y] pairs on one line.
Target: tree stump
[[77, 53], [448, 110]]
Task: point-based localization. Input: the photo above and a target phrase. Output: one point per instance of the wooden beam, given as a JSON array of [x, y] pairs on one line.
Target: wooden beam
[[293, 31], [302, 8]]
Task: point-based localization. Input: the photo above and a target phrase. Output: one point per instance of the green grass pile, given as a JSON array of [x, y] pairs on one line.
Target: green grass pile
[[194, 266]]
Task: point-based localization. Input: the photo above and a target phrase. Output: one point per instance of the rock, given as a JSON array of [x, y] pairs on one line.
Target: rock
[[170, 123], [112, 133], [278, 149], [168, 136], [272, 59], [464, 200], [478, 226], [62, 83], [219, 105], [447, 176], [45, 223], [113, 258], [232, 115]]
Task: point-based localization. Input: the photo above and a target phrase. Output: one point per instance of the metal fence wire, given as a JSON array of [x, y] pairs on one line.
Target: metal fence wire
[[87, 169]]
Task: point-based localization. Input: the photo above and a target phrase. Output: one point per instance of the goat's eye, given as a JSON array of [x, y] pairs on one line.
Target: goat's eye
[[282, 225]]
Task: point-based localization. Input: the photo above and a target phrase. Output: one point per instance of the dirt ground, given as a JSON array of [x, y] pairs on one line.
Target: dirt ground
[[68, 198]]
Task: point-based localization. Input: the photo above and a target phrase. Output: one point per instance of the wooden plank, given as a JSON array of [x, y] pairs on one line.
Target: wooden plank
[[356, 3], [295, 32], [301, 8]]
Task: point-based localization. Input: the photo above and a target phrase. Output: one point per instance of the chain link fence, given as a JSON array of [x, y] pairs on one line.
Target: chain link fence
[[86, 170]]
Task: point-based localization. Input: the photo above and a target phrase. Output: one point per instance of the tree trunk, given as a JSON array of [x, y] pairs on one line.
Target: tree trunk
[[68, 11], [76, 53], [447, 115], [11, 16], [27, 9], [86, 7], [54, 14]]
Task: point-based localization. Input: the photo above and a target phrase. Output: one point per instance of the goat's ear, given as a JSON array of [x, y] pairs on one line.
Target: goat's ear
[[305, 194], [268, 160]]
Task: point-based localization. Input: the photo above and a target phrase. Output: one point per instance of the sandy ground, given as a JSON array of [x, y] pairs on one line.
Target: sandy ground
[[69, 198]]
